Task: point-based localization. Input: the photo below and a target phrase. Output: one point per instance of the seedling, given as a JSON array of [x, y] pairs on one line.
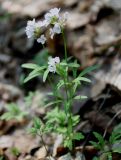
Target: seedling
[[112, 145]]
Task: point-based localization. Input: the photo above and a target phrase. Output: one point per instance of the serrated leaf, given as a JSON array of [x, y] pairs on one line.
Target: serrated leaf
[[37, 123], [68, 143], [99, 138], [78, 136], [95, 144], [30, 66]]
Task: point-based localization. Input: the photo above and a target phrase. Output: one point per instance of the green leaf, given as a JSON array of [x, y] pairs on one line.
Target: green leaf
[[95, 158], [75, 86], [1, 157], [117, 149], [88, 70], [32, 131], [116, 135], [95, 144], [63, 64], [73, 65], [31, 77], [45, 75], [15, 151], [13, 112], [68, 143], [82, 79], [78, 136], [41, 58], [37, 70], [69, 58], [80, 97], [60, 84], [37, 123], [101, 141], [53, 102], [30, 65]]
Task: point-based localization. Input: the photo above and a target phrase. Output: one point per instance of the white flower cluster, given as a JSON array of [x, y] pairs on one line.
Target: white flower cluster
[[34, 29], [55, 20], [52, 63], [52, 19]]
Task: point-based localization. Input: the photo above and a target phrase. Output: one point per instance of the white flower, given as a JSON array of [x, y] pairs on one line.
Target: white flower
[[65, 17], [47, 20], [52, 68], [42, 39], [34, 30], [56, 20], [55, 30], [30, 28], [39, 24], [57, 60], [52, 63], [55, 12], [52, 16]]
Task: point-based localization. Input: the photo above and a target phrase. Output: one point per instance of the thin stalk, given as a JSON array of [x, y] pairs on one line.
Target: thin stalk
[[66, 90], [70, 119], [40, 135], [65, 46], [65, 80], [68, 95]]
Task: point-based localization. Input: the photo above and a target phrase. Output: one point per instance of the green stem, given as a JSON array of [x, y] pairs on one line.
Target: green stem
[[68, 93], [67, 98], [65, 46], [70, 125]]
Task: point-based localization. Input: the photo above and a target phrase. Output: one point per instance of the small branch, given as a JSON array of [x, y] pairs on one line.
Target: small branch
[[110, 122]]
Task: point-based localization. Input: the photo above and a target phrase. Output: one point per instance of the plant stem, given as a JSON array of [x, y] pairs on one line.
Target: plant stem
[[65, 46], [39, 134], [68, 93]]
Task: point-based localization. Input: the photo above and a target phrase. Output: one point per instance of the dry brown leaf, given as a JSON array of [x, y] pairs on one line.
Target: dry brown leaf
[[77, 20]]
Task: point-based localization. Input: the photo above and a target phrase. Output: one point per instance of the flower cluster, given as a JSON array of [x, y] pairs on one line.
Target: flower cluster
[[34, 29], [52, 63], [53, 19]]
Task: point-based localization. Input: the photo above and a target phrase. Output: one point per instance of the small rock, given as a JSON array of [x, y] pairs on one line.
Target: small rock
[[41, 153], [66, 157], [80, 156], [57, 143], [6, 142], [28, 157], [9, 92]]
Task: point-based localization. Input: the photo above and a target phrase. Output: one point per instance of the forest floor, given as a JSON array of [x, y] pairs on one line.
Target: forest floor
[[93, 34]]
